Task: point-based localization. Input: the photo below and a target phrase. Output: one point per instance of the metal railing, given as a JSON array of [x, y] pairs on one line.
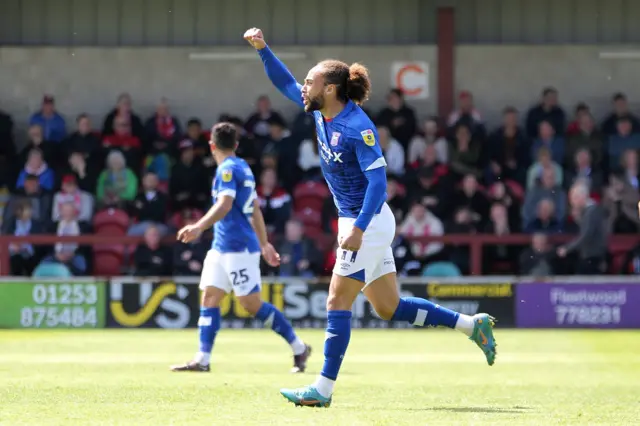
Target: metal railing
[[475, 242]]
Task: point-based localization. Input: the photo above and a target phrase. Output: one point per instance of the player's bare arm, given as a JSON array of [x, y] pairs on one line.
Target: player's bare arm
[[257, 222], [216, 212]]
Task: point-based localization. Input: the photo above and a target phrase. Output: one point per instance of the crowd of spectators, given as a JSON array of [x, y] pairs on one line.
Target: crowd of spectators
[[447, 175]]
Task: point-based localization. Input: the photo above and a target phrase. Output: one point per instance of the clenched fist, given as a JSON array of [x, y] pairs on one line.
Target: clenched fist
[[255, 38]]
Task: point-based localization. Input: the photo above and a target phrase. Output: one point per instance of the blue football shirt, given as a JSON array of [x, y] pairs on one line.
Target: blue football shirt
[[348, 146], [234, 232]]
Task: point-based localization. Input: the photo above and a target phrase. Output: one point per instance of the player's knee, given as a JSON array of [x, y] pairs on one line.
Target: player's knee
[[251, 303], [385, 312], [211, 297], [385, 307], [342, 293], [338, 302]]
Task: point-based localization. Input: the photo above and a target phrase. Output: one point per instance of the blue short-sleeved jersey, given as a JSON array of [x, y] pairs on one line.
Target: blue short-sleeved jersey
[[348, 145], [234, 232]]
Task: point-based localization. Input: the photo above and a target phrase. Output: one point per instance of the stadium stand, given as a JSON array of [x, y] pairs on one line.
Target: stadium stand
[[466, 180]]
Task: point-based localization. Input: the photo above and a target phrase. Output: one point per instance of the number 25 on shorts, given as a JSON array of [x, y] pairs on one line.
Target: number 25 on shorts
[[239, 277]]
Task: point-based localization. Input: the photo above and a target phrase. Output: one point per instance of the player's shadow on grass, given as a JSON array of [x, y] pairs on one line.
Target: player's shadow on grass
[[512, 410]]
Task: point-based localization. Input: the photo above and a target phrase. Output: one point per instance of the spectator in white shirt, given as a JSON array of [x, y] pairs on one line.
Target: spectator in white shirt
[[420, 222], [68, 253], [70, 193], [393, 152]]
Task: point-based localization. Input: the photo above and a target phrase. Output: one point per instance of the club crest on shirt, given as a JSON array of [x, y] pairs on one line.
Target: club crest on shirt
[[368, 137], [226, 175], [335, 137]]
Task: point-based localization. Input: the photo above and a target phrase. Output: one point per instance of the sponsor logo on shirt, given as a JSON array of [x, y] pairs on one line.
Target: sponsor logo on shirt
[[368, 137], [328, 155], [226, 175], [335, 137]]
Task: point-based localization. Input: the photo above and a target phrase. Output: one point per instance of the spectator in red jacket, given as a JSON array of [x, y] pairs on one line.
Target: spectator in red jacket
[[162, 130], [125, 141]]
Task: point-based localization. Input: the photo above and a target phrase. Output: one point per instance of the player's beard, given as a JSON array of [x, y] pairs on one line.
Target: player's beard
[[315, 104]]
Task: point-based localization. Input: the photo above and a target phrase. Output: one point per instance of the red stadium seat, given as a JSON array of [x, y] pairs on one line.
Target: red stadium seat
[[310, 195], [312, 221], [112, 221], [618, 247], [107, 260], [111, 229], [312, 232]]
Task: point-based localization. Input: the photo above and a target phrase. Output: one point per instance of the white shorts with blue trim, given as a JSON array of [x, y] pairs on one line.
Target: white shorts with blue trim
[[375, 257], [237, 272]]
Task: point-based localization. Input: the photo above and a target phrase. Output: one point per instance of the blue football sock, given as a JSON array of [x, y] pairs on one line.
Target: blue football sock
[[273, 318], [422, 313], [209, 324], [336, 342]]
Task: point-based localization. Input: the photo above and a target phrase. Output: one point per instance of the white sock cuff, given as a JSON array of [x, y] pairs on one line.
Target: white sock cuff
[[324, 386], [465, 324], [297, 346]]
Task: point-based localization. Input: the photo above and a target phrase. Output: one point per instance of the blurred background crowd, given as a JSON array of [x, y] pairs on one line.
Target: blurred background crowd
[[148, 176]]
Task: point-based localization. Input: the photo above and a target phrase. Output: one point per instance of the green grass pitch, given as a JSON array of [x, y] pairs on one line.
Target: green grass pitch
[[389, 377]]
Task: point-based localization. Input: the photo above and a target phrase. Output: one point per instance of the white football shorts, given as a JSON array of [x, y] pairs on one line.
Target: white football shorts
[[375, 257], [237, 272]]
